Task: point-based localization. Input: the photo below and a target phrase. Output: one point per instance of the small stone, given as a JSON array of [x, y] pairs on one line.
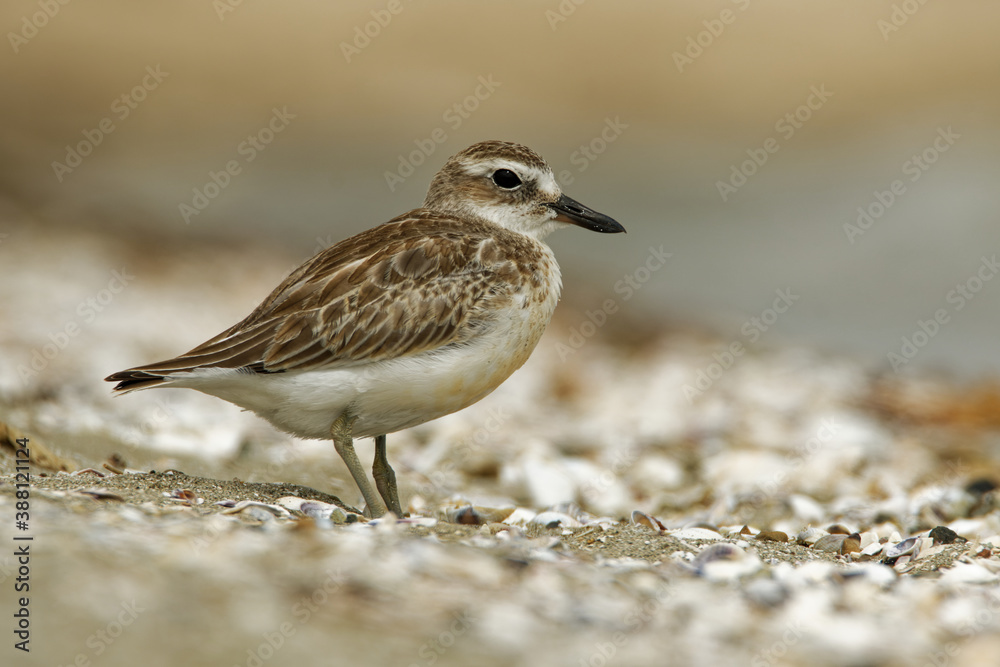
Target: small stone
[[772, 536], [474, 515], [116, 460], [837, 529], [945, 535], [851, 545]]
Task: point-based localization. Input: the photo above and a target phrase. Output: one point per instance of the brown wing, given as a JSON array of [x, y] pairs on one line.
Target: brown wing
[[417, 283]]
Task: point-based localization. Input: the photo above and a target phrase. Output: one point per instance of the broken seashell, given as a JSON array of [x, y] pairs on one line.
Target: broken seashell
[[830, 543], [88, 471], [642, 519], [808, 536], [904, 548], [872, 549]]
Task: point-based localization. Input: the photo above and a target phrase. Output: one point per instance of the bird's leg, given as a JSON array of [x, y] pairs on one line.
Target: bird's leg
[[385, 478], [343, 442]]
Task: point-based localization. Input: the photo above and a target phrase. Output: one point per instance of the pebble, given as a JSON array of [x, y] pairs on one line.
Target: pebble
[[944, 535], [772, 536], [851, 545], [695, 534], [474, 515]]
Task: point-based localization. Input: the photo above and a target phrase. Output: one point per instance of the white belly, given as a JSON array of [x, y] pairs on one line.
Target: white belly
[[391, 395]]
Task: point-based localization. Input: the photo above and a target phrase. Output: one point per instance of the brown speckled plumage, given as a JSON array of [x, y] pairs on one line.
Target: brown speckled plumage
[[404, 323], [421, 281]]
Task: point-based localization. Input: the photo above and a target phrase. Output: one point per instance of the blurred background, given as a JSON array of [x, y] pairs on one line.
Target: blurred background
[[844, 154], [816, 182]]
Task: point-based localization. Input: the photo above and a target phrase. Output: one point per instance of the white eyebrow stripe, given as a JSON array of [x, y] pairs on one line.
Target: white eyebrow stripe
[[543, 177]]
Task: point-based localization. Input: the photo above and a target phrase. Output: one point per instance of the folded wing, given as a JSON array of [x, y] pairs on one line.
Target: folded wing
[[420, 282]]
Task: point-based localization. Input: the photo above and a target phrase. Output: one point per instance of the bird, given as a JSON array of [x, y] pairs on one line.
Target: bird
[[411, 320]]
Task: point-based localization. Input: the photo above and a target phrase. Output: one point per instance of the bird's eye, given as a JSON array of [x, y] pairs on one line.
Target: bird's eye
[[506, 179]]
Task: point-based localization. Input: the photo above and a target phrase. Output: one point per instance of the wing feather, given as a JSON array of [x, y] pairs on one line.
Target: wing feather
[[419, 282]]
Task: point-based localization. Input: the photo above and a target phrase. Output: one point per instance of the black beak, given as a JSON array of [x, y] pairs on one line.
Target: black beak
[[572, 211]]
